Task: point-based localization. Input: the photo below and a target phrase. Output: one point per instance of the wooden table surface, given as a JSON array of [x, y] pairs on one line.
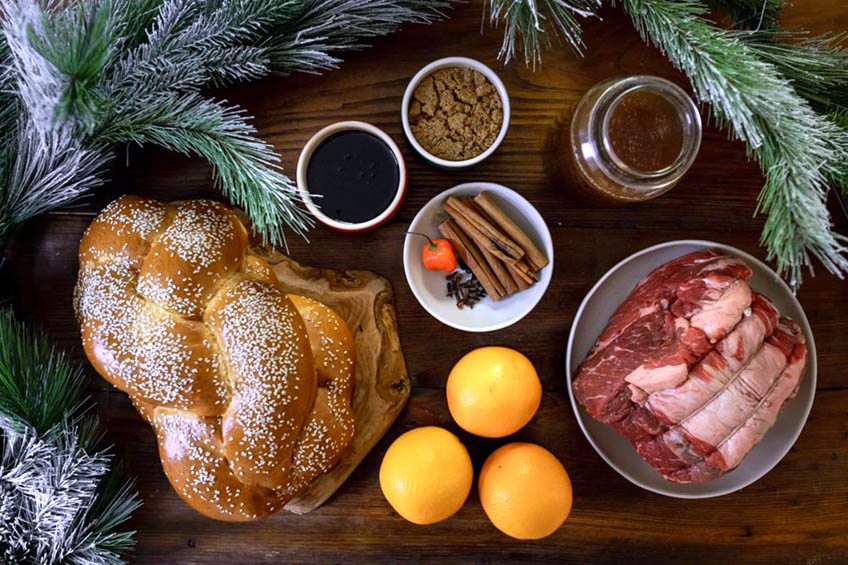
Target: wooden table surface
[[796, 513]]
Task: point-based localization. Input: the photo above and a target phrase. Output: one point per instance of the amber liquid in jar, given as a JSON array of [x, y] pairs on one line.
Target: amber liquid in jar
[[634, 138]]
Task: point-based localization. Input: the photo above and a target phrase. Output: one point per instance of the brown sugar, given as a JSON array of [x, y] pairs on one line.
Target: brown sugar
[[455, 113]]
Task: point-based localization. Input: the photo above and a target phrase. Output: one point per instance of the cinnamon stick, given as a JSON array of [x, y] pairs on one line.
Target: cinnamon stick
[[518, 279], [520, 282], [468, 252], [524, 271], [498, 268], [497, 242], [536, 258], [501, 271]]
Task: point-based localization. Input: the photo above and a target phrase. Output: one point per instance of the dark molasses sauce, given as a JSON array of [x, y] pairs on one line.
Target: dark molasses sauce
[[353, 176]]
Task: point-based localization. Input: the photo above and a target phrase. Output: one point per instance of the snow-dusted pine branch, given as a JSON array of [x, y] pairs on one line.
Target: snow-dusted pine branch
[[530, 26], [126, 70], [62, 496]]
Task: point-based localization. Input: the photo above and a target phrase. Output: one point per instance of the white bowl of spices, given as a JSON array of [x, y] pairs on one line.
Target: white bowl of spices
[[507, 211], [455, 112]]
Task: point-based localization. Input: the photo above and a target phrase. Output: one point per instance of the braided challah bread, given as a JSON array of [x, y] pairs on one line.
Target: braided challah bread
[[248, 389]]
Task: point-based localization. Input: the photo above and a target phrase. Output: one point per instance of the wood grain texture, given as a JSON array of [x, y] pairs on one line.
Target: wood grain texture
[[796, 513], [364, 301]]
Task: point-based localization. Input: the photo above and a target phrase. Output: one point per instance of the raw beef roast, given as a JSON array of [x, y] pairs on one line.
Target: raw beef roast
[[694, 367]]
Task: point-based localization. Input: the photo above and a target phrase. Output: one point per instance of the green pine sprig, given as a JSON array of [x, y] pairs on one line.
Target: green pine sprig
[[111, 71], [8, 101], [783, 93], [530, 26], [41, 171], [799, 150], [9, 109], [817, 66], [839, 177], [39, 388], [77, 41], [245, 168], [320, 30], [62, 495]]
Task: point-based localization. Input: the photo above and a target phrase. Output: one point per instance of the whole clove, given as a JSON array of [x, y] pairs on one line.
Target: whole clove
[[464, 287]]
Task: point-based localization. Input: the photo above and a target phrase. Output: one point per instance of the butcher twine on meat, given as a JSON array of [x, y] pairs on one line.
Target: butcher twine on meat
[[693, 367], [248, 389]]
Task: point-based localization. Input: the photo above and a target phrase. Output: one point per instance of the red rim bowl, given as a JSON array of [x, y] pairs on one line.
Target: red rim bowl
[[303, 188]]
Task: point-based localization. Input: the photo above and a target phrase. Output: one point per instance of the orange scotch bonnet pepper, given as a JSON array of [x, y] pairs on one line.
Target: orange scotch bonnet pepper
[[438, 254]]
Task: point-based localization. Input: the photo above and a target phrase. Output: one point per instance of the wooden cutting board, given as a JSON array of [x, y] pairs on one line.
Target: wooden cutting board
[[365, 301]]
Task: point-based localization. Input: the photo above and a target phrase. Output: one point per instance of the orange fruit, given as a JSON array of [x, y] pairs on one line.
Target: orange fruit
[[426, 475], [493, 391], [525, 491]]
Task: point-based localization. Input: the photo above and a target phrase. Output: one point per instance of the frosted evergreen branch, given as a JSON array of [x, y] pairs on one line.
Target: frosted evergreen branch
[[310, 41], [61, 496], [42, 166], [245, 167], [134, 18], [9, 107], [817, 65], [39, 388], [192, 44], [99, 68], [77, 41], [47, 170], [48, 487], [37, 83], [530, 26], [93, 536], [839, 177], [797, 148]]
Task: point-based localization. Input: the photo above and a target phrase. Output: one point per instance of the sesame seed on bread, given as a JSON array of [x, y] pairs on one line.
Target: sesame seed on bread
[[248, 389]]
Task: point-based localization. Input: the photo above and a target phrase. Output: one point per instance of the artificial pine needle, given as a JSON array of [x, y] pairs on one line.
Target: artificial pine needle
[[123, 70], [533, 25], [62, 496], [95, 73], [782, 93], [799, 149]]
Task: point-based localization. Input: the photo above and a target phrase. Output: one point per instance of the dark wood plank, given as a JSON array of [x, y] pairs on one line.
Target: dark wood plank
[[798, 512], [43, 265], [795, 512]]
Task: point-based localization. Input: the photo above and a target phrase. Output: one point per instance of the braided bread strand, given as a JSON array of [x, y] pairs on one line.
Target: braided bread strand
[[248, 389]]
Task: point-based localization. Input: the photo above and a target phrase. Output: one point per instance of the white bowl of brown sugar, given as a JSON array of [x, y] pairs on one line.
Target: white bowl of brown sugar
[[455, 112]]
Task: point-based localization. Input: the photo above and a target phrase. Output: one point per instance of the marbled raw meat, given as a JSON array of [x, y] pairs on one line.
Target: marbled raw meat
[[719, 366], [693, 367]]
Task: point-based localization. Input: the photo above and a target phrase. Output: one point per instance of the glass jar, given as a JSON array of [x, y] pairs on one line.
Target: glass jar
[[633, 138]]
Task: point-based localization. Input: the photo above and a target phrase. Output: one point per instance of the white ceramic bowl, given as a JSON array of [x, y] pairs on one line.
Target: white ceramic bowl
[[429, 286], [441, 64], [303, 187], [592, 317]]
